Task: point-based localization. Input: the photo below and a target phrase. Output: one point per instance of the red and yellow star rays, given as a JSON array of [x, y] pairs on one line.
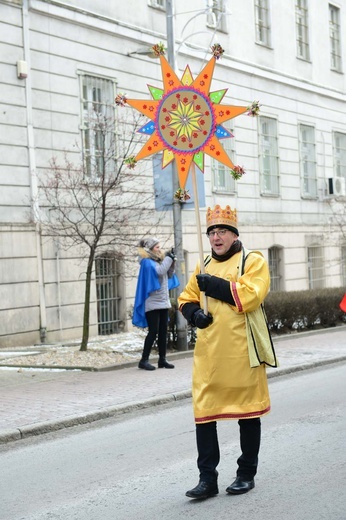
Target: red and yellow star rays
[[186, 120]]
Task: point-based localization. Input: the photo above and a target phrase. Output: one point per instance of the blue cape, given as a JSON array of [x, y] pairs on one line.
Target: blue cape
[[148, 281]]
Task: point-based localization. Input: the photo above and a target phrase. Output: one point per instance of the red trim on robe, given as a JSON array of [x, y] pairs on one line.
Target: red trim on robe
[[236, 297], [232, 416]]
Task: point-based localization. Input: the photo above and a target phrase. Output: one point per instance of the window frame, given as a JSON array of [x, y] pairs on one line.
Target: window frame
[[108, 294], [219, 20], [307, 161], [312, 267], [343, 265], [274, 263], [98, 144], [273, 179], [302, 30], [262, 23], [339, 155], [158, 4], [335, 38], [218, 169]]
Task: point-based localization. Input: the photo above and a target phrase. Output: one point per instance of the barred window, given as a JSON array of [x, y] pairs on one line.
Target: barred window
[[107, 271], [302, 29], [308, 160], [274, 261], [315, 267], [268, 156]]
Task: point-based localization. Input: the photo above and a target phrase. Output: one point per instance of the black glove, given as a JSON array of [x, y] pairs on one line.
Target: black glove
[[201, 320], [171, 254], [203, 281], [216, 287]]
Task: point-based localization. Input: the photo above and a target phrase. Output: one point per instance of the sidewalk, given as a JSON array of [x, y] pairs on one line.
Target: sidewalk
[[37, 401]]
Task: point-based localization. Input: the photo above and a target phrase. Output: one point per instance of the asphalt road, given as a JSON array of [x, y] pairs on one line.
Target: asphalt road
[[138, 466]]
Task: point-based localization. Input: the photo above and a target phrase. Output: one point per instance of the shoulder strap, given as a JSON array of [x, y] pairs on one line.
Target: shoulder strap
[[207, 260], [245, 254]]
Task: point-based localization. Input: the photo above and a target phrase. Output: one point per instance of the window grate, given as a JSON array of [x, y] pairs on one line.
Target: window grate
[[315, 267], [274, 268], [108, 298]]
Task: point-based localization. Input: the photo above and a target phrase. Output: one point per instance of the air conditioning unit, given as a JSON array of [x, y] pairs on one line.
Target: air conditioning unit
[[337, 187]]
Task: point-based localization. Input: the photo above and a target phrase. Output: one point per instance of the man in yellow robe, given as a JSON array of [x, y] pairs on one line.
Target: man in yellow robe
[[224, 384]]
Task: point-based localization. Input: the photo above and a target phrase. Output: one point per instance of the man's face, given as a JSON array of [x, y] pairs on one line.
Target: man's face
[[221, 240]]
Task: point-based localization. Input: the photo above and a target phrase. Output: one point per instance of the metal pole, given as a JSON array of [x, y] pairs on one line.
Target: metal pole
[[177, 224]]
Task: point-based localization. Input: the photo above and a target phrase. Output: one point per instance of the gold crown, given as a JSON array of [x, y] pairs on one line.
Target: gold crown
[[222, 217]]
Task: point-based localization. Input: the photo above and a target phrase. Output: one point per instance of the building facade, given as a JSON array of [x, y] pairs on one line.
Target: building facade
[[56, 57]]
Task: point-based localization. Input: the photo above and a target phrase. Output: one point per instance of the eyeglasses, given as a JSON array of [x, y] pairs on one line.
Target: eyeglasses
[[219, 233]]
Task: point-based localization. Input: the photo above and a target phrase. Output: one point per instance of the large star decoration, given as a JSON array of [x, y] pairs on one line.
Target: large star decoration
[[185, 120]]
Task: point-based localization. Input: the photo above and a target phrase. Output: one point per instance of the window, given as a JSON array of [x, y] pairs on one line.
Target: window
[[262, 24], [315, 267], [98, 125], [163, 186], [222, 180], [334, 35], [339, 143], [268, 156], [216, 15], [108, 299], [343, 266], [302, 29], [159, 4], [308, 160], [274, 260]]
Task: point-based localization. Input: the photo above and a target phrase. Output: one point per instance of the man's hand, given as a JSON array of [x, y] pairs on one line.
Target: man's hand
[[203, 281], [201, 320]]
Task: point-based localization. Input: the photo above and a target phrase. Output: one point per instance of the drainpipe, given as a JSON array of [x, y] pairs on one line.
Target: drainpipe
[[35, 209]]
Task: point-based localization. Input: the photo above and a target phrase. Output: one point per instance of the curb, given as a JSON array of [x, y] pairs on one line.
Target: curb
[[76, 420]]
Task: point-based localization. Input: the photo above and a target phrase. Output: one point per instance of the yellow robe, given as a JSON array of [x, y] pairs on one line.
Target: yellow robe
[[224, 386]]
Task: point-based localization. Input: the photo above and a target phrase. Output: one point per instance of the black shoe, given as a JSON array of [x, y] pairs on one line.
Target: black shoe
[[145, 365], [203, 490], [240, 486], [163, 363]]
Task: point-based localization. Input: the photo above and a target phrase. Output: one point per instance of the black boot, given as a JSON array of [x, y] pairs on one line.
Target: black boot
[[203, 490], [163, 363], [144, 363], [240, 486]]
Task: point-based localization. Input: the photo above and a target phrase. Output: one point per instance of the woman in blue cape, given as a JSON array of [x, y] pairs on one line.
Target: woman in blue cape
[[156, 276]]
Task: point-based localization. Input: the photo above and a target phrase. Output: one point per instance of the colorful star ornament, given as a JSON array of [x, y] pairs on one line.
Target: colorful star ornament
[[186, 118]]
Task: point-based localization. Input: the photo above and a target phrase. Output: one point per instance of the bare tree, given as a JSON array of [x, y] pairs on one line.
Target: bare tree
[[100, 204], [338, 220]]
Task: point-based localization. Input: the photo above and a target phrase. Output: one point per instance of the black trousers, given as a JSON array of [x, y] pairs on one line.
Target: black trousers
[[157, 326], [209, 452]]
